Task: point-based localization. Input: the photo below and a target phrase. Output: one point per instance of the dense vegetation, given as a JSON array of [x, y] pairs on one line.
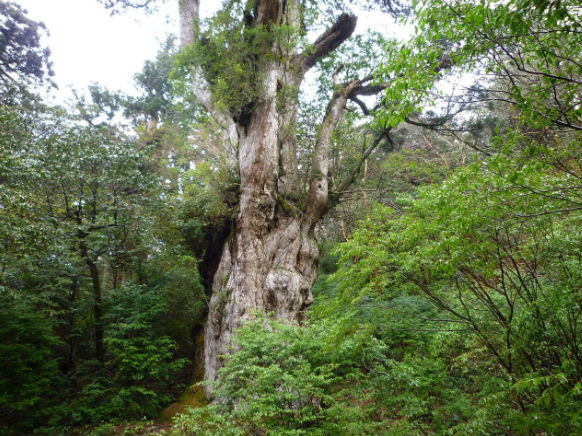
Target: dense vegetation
[[449, 300]]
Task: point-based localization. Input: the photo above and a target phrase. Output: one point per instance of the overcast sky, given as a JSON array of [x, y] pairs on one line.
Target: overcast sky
[[89, 45]]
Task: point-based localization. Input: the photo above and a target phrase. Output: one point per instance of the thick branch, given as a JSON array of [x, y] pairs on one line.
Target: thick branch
[[369, 90], [362, 105], [318, 191], [365, 90], [320, 161], [189, 26], [330, 39]]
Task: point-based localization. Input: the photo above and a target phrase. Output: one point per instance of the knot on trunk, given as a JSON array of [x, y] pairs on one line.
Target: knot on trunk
[[286, 293]]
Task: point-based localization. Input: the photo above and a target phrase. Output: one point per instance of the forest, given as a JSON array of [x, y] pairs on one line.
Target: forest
[[297, 227]]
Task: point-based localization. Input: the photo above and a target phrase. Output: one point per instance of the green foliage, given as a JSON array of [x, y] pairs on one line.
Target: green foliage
[[30, 380], [479, 249], [154, 81], [142, 359], [287, 380], [405, 170], [177, 283], [231, 52], [225, 53], [425, 394], [140, 362], [456, 310], [423, 386], [526, 54], [159, 101], [77, 207], [208, 194]]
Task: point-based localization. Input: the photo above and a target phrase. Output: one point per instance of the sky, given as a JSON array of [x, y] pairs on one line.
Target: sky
[[89, 45]]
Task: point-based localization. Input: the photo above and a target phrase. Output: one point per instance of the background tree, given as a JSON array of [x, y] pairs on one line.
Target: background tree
[[22, 56], [86, 276]]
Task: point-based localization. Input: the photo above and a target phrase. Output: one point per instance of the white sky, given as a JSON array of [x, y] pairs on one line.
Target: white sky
[[89, 45]]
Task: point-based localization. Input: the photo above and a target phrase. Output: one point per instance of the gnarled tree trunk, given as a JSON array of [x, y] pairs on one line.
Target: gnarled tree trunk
[[269, 262]]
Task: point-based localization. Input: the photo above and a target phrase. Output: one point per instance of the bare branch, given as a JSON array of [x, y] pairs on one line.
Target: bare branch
[[362, 105], [336, 74], [350, 179], [117, 6]]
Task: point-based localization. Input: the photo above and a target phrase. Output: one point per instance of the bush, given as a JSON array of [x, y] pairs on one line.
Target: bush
[[140, 365], [289, 380], [30, 379]]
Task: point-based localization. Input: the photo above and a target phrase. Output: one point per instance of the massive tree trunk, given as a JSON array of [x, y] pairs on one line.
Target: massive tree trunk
[[269, 262]]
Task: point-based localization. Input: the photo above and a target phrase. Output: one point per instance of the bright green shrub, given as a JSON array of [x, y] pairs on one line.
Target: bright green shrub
[[501, 259], [290, 380]]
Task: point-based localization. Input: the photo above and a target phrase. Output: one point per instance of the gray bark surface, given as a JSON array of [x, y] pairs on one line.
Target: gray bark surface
[[269, 262]]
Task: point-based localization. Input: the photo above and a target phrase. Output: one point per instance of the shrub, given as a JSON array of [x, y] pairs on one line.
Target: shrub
[[290, 380], [29, 379]]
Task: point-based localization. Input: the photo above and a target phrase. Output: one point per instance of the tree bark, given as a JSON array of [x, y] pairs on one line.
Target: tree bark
[[97, 297], [269, 262], [95, 281]]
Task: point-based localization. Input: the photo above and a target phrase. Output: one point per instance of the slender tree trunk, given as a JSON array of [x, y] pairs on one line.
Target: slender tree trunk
[[97, 296], [71, 337], [97, 311]]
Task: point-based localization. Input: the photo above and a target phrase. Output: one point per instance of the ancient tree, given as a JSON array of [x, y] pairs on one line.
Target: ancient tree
[[269, 261], [247, 77]]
